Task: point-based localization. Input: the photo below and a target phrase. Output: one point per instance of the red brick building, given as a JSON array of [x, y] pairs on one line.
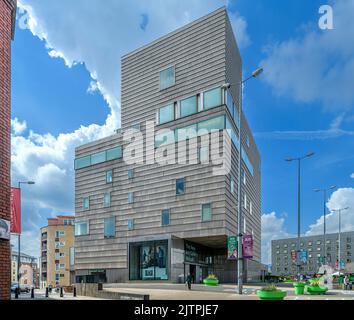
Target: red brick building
[[7, 24]]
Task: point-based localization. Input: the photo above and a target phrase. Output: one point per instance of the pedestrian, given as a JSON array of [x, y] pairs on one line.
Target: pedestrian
[[346, 282], [189, 281]]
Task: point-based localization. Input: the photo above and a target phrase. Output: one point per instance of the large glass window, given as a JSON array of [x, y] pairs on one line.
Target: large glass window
[[109, 176], [148, 260], [167, 78], [98, 157], [180, 186], [81, 228], [206, 212], [165, 217], [164, 138], [188, 132], [167, 113], [114, 153], [212, 98], [230, 103], [86, 203], [82, 162], [216, 123], [188, 106], [107, 200], [110, 227]]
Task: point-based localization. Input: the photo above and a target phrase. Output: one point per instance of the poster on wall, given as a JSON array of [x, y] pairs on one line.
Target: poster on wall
[[4, 229], [247, 246], [231, 248], [303, 257], [293, 256], [15, 210]]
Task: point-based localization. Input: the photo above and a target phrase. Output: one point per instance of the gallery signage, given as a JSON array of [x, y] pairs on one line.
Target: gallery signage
[[247, 246], [4, 229], [232, 248], [15, 210]]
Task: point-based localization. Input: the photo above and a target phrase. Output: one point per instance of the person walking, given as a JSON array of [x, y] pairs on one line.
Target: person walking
[[346, 282], [189, 281]]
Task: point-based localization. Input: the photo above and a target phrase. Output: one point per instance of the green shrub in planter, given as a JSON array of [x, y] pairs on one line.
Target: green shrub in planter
[[271, 293]]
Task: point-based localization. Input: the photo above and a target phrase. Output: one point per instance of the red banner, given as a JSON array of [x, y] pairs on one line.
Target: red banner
[[15, 210]]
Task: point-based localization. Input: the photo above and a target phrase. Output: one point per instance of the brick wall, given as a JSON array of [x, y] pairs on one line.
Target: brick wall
[[5, 43]]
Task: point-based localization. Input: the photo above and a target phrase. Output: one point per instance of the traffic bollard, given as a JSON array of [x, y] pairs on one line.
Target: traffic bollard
[[61, 292], [46, 292], [74, 291], [16, 293], [32, 293]]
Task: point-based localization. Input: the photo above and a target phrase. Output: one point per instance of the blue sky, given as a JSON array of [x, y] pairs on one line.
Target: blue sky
[[66, 83]]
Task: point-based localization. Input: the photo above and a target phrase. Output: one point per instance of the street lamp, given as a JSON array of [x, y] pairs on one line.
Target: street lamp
[[19, 241], [310, 154], [255, 74], [339, 231], [324, 217]]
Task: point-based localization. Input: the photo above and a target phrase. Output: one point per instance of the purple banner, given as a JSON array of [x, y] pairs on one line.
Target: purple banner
[[247, 246]]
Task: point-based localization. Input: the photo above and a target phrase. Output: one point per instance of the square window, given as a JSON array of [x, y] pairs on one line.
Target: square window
[[167, 78], [130, 224], [110, 227], [165, 217], [206, 212], [130, 173], [86, 203], [188, 106], [212, 98], [81, 228], [130, 197], [180, 186], [167, 113], [107, 200], [109, 176], [114, 153], [136, 126]]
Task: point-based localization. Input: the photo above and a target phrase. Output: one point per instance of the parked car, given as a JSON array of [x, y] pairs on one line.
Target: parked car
[[14, 287], [23, 287]]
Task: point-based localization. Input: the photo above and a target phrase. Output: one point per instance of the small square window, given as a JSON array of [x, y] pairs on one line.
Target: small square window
[[167, 78], [110, 227], [131, 224], [180, 186], [188, 106], [165, 217], [130, 197], [86, 203], [130, 173], [206, 212], [167, 113]]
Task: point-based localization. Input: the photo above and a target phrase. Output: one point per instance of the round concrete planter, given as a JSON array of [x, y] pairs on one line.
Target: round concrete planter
[[211, 282], [299, 287], [313, 290], [271, 295]]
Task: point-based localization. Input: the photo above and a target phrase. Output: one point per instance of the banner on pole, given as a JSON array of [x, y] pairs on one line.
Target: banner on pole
[[247, 246], [303, 256], [232, 248], [293, 256], [15, 210]]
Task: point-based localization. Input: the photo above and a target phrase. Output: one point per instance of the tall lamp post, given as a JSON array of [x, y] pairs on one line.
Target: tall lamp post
[[339, 231], [324, 218], [19, 242], [255, 74], [299, 206]]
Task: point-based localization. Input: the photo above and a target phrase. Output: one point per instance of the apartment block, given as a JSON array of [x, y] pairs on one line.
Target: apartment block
[[169, 212], [28, 269], [7, 27], [57, 252], [317, 251]]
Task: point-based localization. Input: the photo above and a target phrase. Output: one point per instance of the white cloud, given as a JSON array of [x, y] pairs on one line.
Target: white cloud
[[272, 229], [95, 35], [17, 126], [341, 198], [317, 66], [352, 175]]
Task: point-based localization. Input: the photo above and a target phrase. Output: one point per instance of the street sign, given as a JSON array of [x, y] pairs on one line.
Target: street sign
[[232, 248]]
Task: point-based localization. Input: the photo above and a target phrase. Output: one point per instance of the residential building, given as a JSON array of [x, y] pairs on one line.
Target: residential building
[[283, 253], [28, 269], [57, 243], [7, 27], [153, 221]]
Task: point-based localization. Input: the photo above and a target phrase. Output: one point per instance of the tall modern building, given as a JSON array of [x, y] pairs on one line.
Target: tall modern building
[[57, 247], [7, 28], [150, 220], [315, 251]]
